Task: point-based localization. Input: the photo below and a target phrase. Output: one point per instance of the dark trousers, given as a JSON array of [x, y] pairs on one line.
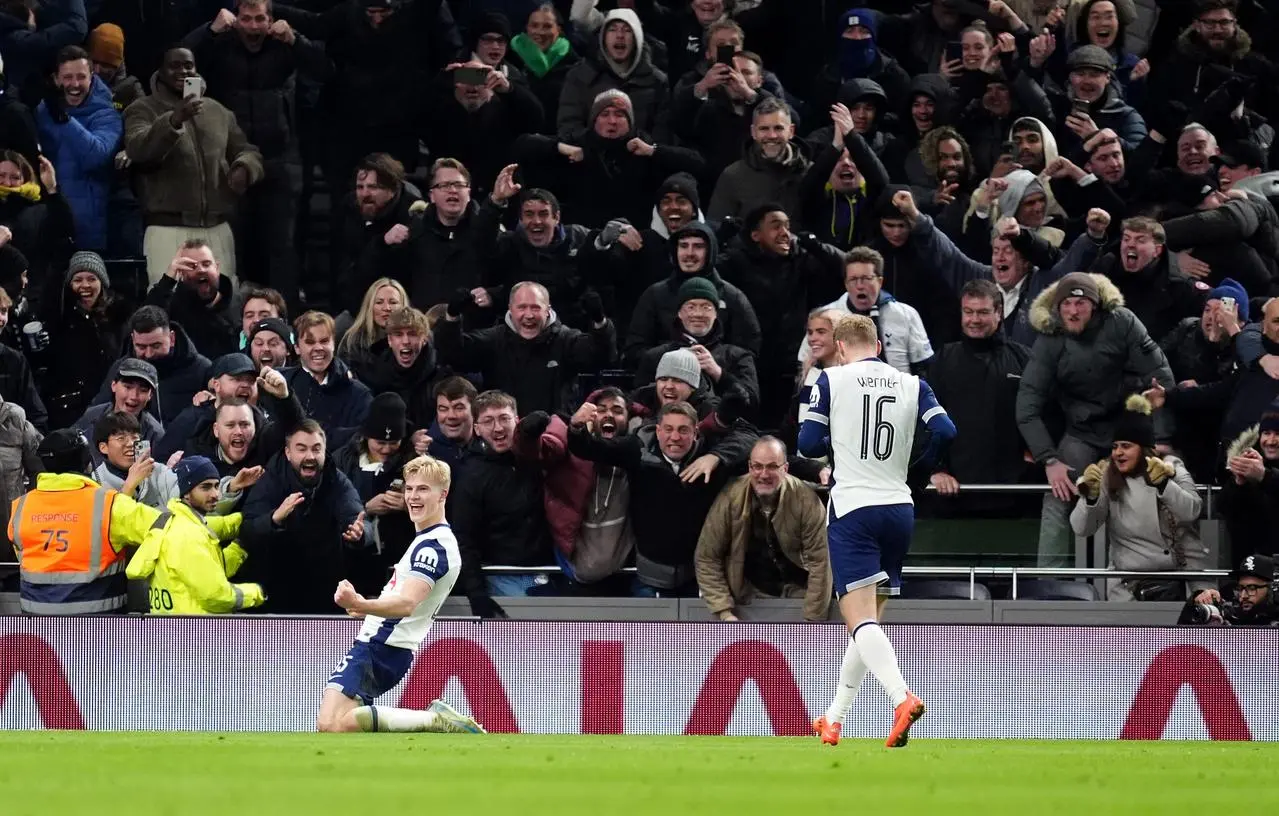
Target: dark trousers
[[264, 247]]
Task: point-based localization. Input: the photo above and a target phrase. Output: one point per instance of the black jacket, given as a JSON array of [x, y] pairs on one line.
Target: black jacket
[[785, 288], [1243, 397], [737, 364], [1158, 295], [1192, 357], [976, 381], [82, 347], [650, 322], [370, 567], [182, 373], [213, 330], [540, 373], [18, 387], [842, 221], [482, 139], [257, 86], [300, 562], [497, 512], [339, 405], [666, 513], [360, 254], [192, 432], [382, 374]]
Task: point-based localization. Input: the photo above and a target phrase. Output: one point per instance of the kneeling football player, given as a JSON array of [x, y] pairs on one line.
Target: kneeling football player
[[397, 621]]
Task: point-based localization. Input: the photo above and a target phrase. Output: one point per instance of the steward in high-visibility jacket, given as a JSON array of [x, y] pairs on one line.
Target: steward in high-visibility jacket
[[184, 557], [70, 534]]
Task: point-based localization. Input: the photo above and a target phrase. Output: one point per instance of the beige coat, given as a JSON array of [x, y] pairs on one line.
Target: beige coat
[[800, 524]]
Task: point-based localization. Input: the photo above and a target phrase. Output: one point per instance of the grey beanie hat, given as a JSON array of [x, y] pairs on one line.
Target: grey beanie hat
[[84, 261], [680, 364]]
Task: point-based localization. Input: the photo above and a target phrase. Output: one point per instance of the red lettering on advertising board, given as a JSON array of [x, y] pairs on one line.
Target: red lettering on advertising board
[[733, 666], [470, 664], [1171, 669], [603, 687], [38, 662]]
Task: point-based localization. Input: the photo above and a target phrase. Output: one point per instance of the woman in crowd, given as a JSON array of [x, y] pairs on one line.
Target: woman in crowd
[[1150, 509], [546, 56], [382, 299], [85, 323], [35, 218]]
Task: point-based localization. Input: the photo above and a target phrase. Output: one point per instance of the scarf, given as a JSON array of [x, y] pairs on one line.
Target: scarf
[[539, 62], [856, 57], [28, 190]]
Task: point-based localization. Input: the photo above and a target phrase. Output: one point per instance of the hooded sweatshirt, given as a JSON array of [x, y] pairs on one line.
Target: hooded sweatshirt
[[628, 16]]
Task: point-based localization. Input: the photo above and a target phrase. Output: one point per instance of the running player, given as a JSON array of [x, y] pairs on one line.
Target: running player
[[864, 412], [397, 621]]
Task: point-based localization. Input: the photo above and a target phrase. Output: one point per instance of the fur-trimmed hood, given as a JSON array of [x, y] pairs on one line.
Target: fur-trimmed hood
[[1190, 45], [1045, 320], [1245, 441]]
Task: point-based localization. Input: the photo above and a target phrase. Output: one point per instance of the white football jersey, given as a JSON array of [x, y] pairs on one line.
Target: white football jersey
[[432, 557], [870, 410]]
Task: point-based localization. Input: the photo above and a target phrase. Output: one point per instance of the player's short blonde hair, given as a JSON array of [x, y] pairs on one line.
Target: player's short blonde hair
[[430, 470], [856, 330]]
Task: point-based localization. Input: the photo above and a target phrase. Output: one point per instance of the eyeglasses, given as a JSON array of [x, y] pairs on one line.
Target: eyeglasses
[[451, 186], [505, 420], [1250, 589], [1220, 25], [765, 467], [699, 308]]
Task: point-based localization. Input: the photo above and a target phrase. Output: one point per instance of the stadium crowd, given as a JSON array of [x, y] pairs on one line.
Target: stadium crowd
[[594, 254]]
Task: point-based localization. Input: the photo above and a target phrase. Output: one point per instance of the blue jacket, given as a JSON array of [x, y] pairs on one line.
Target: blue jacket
[[83, 152], [339, 405]]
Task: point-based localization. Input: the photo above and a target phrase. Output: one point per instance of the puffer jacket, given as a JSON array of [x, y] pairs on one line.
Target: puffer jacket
[[645, 84], [157, 490], [182, 373], [1148, 529], [736, 363], [339, 404], [188, 566], [182, 173], [755, 180], [800, 525], [1110, 111], [540, 372], [82, 151], [1086, 376], [18, 442], [1193, 71]]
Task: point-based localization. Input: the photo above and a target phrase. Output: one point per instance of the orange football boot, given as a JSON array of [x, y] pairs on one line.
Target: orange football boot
[[904, 716], [828, 731]]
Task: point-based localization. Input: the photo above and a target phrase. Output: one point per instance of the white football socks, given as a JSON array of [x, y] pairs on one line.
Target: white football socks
[[851, 673], [385, 718], [877, 652]]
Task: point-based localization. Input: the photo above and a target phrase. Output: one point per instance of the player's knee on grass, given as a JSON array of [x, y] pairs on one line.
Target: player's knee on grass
[[336, 713]]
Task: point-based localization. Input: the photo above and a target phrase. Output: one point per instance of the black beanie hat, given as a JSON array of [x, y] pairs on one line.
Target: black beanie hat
[[684, 184], [1135, 423], [387, 420], [492, 22]]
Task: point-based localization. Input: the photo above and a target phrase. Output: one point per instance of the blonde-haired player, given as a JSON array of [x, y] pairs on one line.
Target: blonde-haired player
[[864, 412], [397, 621]]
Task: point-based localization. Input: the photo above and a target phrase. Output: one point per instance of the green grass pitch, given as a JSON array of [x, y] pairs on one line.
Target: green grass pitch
[[158, 774]]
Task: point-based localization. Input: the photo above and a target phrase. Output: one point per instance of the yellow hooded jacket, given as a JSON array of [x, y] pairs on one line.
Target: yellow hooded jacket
[[188, 567]]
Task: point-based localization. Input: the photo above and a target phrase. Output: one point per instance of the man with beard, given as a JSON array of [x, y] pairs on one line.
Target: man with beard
[[131, 391], [976, 378], [1090, 353], [194, 293], [541, 249], [724, 366], [231, 377], [949, 164], [183, 370], [765, 537], [587, 505], [530, 355], [772, 169], [405, 363], [1202, 350], [259, 303], [191, 162], [695, 250], [323, 384], [1156, 292], [497, 511], [1251, 587], [1212, 59], [237, 435], [1250, 486], [299, 521], [373, 236], [1240, 398], [842, 185], [477, 124], [251, 62], [986, 120], [270, 343], [674, 473], [1035, 144]]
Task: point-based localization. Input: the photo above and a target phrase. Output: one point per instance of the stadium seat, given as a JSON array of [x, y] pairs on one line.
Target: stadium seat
[[1056, 591], [944, 591]]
